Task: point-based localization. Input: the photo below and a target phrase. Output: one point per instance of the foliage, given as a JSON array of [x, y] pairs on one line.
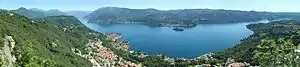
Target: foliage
[[34, 37], [243, 52], [277, 53], [185, 17]]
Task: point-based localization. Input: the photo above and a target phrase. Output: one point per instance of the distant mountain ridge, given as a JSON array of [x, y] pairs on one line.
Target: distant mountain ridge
[[38, 13], [79, 14], [183, 17]]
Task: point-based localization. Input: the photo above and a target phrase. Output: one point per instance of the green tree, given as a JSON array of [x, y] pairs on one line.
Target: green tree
[[279, 52]]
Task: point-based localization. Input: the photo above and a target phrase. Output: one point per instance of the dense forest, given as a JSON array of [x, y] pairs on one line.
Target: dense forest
[[272, 43], [44, 42], [48, 41], [184, 17]]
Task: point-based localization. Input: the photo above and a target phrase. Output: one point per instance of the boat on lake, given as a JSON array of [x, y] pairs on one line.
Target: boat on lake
[[178, 29]]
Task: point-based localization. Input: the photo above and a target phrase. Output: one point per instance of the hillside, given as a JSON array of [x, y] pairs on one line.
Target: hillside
[[59, 41], [63, 41], [79, 14], [44, 42], [38, 13], [278, 30], [185, 17]]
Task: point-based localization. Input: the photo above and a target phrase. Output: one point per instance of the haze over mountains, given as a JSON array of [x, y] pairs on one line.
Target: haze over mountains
[[181, 17], [111, 15], [79, 14], [154, 17], [39, 13]]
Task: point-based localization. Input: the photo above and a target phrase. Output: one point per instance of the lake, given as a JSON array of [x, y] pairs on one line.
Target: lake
[[189, 43]]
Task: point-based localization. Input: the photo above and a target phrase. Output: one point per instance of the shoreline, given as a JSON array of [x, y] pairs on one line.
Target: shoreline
[[169, 59], [205, 57], [118, 36]]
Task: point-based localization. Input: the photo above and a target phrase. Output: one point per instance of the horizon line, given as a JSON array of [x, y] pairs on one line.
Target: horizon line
[[146, 8]]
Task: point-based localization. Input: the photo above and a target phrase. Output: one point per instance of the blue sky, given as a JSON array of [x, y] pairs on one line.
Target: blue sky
[[90, 5]]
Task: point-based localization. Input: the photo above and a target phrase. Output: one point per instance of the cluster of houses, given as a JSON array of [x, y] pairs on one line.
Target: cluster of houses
[[101, 56]]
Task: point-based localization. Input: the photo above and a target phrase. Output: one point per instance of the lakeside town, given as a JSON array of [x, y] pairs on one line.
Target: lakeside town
[[101, 56]]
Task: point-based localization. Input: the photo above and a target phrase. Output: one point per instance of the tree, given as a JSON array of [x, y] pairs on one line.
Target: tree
[[281, 52]]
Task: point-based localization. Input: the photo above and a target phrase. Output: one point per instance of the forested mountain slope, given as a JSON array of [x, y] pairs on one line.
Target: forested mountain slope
[[43, 42], [184, 17], [38, 13], [269, 42]]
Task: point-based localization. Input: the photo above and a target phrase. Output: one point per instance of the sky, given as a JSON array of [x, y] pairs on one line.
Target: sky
[[90, 5]]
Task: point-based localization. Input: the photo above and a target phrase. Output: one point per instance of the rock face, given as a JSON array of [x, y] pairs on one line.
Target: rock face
[[206, 57], [53, 45], [231, 63], [298, 49], [238, 64], [6, 56]]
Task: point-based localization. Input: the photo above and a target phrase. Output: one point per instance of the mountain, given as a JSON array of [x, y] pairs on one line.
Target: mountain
[[34, 9], [79, 14], [2, 10], [184, 17], [54, 12], [60, 41], [63, 41], [38, 13], [282, 32], [29, 13], [42, 42]]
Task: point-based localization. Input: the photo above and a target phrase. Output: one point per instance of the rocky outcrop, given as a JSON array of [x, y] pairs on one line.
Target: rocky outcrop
[[53, 44], [238, 64], [231, 63], [298, 49], [206, 57], [6, 56]]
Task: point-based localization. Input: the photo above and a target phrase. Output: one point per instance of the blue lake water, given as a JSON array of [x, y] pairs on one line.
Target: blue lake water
[[189, 43]]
